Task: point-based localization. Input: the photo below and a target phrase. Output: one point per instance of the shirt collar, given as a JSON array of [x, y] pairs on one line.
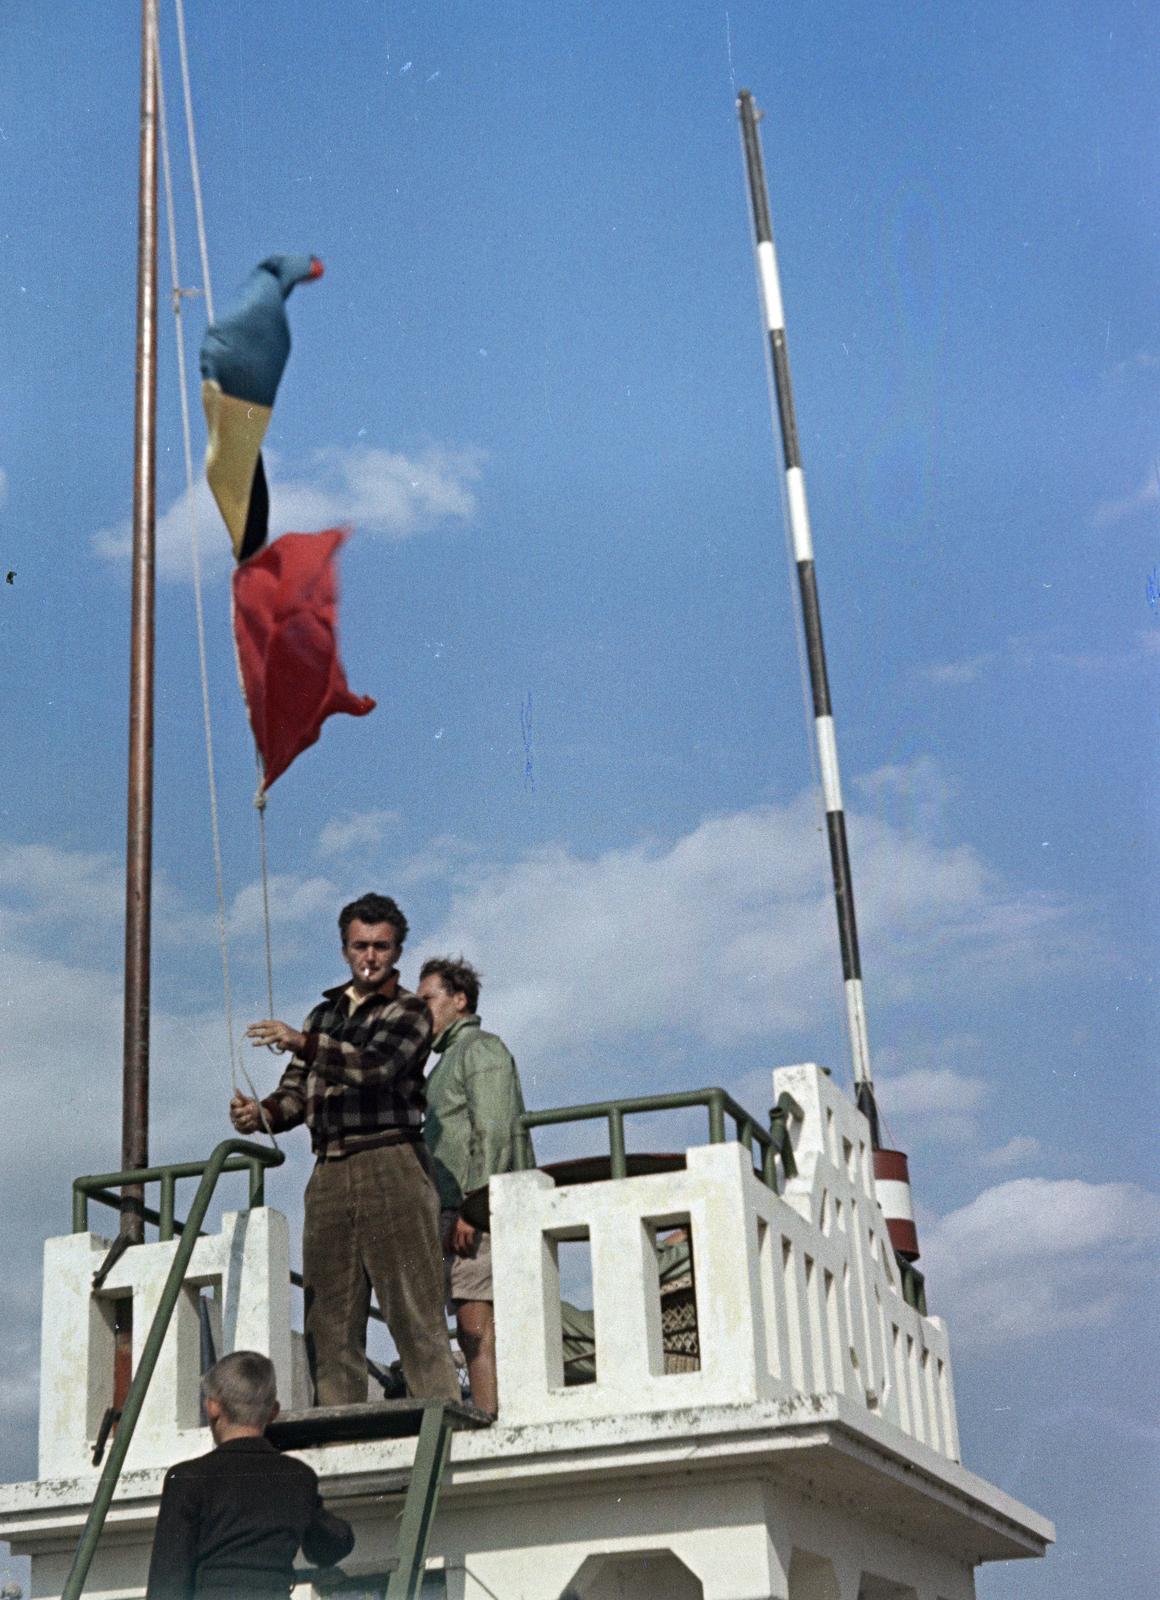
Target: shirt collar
[[388, 991], [452, 1030]]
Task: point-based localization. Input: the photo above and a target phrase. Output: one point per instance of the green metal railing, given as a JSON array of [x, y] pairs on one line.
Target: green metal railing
[[238, 1155], [774, 1143], [99, 1188], [232, 1155], [913, 1285], [431, 1452], [242, 1157]]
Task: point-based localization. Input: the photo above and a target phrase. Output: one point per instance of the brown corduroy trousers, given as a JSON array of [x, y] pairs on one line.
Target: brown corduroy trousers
[[372, 1221]]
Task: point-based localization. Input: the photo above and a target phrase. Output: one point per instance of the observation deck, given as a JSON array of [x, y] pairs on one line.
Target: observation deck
[[806, 1449]]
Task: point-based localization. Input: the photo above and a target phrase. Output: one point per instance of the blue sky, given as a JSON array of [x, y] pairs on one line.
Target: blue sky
[[532, 379]]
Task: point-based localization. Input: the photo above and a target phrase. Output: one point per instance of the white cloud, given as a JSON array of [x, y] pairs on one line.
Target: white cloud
[[967, 669], [293, 901], [441, 858], [647, 936], [1143, 646], [40, 880], [1147, 494], [57, 904], [1142, 361], [376, 491], [61, 1043], [1022, 1147], [914, 794], [723, 938], [1036, 652], [938, 1103], [3, 487], [173, 537], [727, 934], [362, 830], [382, 491], [81, 894], [1036, 1254]]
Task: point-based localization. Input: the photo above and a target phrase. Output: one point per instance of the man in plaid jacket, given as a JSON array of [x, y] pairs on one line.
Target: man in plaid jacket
[[372, 1209]]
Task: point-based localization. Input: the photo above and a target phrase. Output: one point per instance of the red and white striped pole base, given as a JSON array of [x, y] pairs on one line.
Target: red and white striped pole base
[[892, 1186]]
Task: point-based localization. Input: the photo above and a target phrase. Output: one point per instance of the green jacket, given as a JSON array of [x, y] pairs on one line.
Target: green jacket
[[473, 1094]]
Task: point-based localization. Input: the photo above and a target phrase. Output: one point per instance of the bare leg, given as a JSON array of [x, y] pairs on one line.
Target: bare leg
[[476, 1320]]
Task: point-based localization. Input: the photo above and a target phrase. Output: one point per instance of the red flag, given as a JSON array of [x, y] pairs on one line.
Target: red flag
[[286, 628]]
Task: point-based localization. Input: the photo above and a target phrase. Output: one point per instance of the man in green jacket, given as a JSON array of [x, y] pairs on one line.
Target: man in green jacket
[[473, 1095]]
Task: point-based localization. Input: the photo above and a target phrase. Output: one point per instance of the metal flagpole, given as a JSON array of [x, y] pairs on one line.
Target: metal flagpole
[[803, 551], [139, 836]]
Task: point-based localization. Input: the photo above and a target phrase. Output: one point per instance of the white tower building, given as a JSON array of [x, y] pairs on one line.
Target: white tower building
[[811, 1454]]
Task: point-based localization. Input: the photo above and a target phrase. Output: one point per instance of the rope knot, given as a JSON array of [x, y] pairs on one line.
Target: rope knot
[[260, 800]]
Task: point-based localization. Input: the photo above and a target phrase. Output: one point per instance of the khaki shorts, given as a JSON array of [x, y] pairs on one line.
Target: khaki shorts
[[466, 1277]]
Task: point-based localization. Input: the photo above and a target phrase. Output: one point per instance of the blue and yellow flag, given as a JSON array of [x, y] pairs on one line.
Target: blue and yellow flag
[[243, 356], [286, 593]]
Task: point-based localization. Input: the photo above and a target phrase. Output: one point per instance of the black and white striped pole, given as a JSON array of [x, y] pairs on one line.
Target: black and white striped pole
[[803, 553]]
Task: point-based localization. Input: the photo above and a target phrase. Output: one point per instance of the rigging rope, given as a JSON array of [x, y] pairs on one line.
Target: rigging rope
[[199, 610], [236, 1051], [260, 803], [194, 164], [203, 250]]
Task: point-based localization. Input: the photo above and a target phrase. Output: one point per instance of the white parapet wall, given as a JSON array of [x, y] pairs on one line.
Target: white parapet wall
[[797, 1293], [246, 1265], [813, 1455]]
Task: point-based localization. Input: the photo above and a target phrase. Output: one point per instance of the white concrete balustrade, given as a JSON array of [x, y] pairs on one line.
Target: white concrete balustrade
[[796, 1294], [247, 1265], [813, 1455]]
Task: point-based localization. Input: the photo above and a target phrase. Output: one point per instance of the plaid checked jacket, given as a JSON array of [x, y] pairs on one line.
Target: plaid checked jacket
[[358, 1081]]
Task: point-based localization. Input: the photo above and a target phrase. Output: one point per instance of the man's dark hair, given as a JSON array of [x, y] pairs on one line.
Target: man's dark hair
[[457, 977], [372, 908]]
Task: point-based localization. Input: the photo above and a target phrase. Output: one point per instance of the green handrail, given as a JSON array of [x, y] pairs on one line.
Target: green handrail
[[431, 1451], [224, 1159], [913, 1285], [246, 1157], [91, 1189], [775, 1144]]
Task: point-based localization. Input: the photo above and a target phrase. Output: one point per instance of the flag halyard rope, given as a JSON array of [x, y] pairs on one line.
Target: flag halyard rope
[[203, 252], [194, 164], [199, 609], [180, 293], [260, 804]]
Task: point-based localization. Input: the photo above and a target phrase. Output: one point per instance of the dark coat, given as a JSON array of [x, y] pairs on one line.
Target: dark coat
[[235, 1519]]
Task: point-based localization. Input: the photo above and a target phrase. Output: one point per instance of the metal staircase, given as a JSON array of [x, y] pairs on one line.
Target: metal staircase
[[433, 1421], [430, 1422]]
